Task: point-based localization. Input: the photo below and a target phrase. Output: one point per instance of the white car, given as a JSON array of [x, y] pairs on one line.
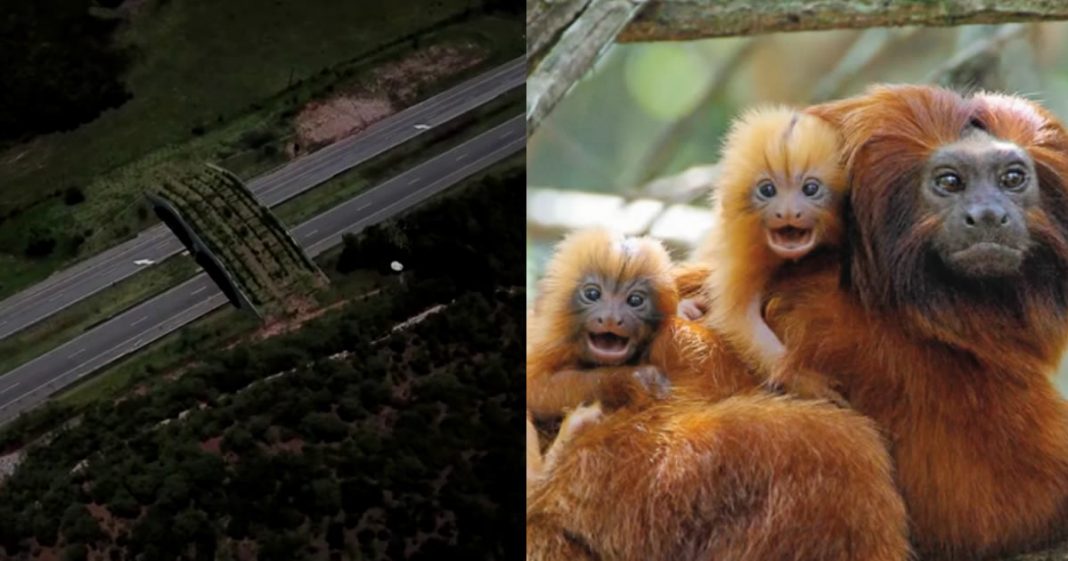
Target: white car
[[422, 127], [144, 262]]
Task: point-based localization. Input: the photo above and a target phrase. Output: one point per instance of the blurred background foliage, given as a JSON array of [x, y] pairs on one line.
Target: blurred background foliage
[[650, 110]]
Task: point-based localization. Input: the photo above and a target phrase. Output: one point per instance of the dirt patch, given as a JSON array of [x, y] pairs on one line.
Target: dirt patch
[[388, 89]]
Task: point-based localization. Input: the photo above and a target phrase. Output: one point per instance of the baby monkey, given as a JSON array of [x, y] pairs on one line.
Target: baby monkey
[[779, 198], [601, 303]]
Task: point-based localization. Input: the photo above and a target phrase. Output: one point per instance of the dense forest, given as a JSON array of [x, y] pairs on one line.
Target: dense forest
[[61, 67], [347, 439]]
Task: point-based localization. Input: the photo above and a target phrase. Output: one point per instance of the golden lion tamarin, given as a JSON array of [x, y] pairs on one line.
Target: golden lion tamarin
[[942, 320], [779, 198], [604, 329], [751, 457]]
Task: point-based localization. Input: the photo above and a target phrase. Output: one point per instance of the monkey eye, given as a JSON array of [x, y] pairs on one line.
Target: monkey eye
[[811, 188], [949, 182], [1013, 179], [766, 189], [635, 300], [592, 293]]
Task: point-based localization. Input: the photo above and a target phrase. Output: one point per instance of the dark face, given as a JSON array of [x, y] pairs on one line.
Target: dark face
[[790, 209], [616, 319], [980, 189]]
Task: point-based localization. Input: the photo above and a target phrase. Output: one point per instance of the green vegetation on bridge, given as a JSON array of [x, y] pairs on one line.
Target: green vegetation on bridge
[[224, 226]]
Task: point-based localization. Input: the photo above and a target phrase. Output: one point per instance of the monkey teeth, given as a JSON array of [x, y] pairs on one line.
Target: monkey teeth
[[609, 347], [791, 242]]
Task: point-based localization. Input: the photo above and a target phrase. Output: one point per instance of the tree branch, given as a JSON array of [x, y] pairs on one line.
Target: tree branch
[[674, 20], [579, 46]]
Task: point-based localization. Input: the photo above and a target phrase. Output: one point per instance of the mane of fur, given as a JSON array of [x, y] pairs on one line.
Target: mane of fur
[[889, 133]]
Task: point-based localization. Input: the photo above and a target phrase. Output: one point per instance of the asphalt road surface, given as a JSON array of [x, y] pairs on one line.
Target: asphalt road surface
[[157, 243], [30, 384]]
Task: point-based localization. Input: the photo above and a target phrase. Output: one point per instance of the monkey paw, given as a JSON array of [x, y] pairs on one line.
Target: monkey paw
[[805, 384], [582, 417], [653, 381], [691, 309]]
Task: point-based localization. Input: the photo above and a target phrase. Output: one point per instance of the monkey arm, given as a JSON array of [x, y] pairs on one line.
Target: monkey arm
[[613, 386], [690, 279], [769, 349]]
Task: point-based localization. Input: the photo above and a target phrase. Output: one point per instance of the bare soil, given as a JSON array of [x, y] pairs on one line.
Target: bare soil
[[387, 90]]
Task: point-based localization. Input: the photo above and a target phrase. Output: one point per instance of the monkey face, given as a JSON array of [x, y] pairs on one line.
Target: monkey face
[[979, 189], [794, 212], [616, 318]]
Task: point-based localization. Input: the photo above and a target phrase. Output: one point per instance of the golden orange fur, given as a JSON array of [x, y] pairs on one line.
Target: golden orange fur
[[557, 382], [751, 477], [956, 375], [764, 143], [718, 470]]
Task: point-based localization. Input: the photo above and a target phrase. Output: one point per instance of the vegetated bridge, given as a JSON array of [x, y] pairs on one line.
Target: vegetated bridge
[[241, 244]]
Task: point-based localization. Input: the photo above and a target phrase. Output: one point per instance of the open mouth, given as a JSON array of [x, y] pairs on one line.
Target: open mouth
[[608, 347], [791, 242]]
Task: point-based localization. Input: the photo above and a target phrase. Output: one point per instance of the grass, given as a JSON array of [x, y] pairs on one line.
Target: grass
[[440, 139], [80, 317], [205, 75]]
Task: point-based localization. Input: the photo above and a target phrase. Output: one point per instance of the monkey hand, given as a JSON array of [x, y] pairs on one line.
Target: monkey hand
[[634, 387], [803, 383], [580, 418], [655, 383], [576, 421], [691, 309]]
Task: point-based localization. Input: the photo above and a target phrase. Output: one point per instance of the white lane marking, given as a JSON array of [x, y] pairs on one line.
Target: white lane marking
[[76, 353], [312, 233], [143, 318], [9, 388], [198, 291], [413, 180], [364, 206], [504, 135], [461, 156]]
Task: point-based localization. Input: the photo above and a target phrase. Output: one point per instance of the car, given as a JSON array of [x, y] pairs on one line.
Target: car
[[422, 126], [144, 262]]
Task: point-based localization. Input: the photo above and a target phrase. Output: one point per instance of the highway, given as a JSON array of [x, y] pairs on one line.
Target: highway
[[92, 275], [30, 384]]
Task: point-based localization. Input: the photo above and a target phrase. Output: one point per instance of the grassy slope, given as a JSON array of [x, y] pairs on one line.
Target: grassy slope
[[204, 64]]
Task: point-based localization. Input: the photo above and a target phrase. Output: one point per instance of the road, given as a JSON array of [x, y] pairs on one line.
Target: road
[[92, 275], [31, 383]]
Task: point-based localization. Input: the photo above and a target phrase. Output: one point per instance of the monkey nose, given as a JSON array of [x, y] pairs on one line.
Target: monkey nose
[[986, 215]]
